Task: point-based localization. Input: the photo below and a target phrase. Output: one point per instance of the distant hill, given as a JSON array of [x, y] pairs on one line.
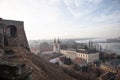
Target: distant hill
[[114, 40]]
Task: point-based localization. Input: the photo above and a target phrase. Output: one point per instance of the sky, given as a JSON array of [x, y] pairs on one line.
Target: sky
[[47, 19]]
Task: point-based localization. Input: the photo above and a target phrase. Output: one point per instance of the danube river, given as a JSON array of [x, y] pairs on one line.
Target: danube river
[[113, 46]]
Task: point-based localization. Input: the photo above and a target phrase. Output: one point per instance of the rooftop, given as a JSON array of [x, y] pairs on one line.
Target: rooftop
[[86, 51], [107, 76], [79, 61], [113, 63]]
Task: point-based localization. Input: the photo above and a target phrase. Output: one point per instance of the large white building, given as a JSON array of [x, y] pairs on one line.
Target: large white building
[[88, 57], [69, 54]]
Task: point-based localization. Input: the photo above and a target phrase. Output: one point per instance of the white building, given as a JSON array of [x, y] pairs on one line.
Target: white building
[[69, 54], [89, 57], [56, 60]]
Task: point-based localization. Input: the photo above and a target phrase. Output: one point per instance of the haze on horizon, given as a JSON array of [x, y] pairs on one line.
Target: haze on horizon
[[46, 19]]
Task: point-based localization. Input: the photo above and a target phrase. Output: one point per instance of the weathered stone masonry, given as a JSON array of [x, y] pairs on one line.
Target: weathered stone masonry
[[12, 34], [12, 40]]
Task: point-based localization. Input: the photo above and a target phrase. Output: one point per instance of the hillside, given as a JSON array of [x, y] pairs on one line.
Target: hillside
[[42, 70]]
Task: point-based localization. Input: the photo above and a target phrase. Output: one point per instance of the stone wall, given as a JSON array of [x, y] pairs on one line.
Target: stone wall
[[13, 36], [20, 38]]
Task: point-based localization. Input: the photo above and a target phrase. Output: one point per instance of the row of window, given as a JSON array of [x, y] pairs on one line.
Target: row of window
[[108, 69], [83, 55]]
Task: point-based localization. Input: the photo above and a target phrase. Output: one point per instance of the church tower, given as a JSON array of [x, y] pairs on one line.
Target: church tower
[[56, 46]]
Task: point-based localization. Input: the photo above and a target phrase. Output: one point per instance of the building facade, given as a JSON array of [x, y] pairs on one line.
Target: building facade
[[69, 54], [88, 57], [111, 66]]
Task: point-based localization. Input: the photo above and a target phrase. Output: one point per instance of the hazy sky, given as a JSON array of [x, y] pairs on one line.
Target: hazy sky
[[46, 19]]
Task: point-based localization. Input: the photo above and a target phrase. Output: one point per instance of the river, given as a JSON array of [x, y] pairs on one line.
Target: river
[[113, 46]]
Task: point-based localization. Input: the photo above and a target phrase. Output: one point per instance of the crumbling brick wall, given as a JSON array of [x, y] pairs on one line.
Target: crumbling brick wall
[[17, 40]]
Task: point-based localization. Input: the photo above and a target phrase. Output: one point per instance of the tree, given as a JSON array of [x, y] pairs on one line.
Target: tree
[[67, 61]]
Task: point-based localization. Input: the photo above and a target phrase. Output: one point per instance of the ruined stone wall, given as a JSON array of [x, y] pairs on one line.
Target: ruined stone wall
[[20, 39]]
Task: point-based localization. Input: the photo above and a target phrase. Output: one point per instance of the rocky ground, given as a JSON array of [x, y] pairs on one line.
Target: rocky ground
[[42, 70]]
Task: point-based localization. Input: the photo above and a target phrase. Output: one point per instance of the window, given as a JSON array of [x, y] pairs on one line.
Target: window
[[12, 31], [9, 52], [1, 31], [5, 41], [0, 38]]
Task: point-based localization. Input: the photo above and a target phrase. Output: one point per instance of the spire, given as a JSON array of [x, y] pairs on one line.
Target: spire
[[58, 40], [54, 40]]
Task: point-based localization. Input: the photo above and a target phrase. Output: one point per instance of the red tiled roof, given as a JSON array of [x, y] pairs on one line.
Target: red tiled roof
[[62, 58], [34, 49], [45, 49], [79, 61]]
